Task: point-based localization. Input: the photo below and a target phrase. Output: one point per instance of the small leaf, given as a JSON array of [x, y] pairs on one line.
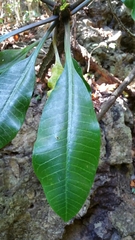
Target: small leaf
[[64, 6], [57, 69]]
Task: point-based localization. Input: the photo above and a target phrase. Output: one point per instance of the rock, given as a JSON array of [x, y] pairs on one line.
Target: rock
[[100, 34], [25, 213], [108, 212], [127, 238], [123, 217], [111, 212], [115, 236], [116, 132]]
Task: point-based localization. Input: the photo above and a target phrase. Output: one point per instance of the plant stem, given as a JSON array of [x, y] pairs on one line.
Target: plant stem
[[67, 47], [80, 6], [57, 58]]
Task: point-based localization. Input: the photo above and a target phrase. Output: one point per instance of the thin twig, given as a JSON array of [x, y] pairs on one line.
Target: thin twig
[[119, 21], [106, 105]]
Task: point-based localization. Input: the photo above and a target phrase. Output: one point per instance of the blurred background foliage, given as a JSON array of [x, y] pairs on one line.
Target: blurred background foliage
[[21, 11]]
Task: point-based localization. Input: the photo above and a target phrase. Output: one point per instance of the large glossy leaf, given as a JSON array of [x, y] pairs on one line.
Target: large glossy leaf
[[16, 88], [66, 151]]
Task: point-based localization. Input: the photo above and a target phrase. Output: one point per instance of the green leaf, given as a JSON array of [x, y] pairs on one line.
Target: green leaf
[[56, 72], [57, 69], [129, 3], [79, 71], [64, 6], [133, 12], [66, 152], [10, 57], [16, 87]]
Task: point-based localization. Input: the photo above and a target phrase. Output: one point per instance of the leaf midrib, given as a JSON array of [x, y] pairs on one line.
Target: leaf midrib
[[69, 124]]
